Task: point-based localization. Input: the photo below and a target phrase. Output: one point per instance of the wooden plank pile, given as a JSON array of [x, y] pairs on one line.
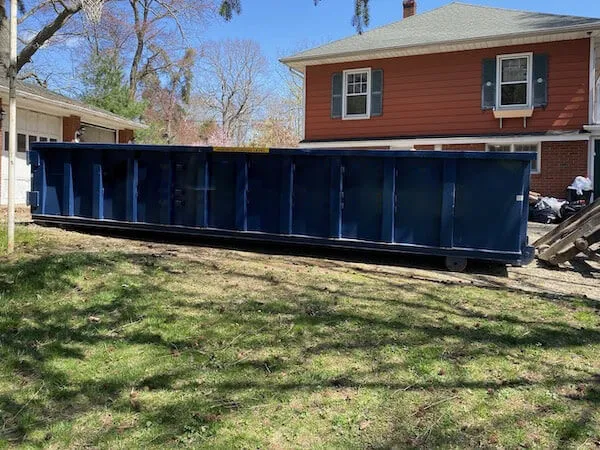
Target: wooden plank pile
[[578, 234]]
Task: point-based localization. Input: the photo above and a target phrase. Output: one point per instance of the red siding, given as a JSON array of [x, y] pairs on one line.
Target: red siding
[[458, 147], [441, 95]]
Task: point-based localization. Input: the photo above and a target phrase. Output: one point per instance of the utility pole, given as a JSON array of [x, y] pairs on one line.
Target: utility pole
[[12, 126]]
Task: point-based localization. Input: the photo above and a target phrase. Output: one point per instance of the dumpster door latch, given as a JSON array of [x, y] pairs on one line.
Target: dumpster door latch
[[33, 158], [33, 199]]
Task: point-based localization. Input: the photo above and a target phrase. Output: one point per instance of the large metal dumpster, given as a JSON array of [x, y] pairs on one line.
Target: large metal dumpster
[[458, 205]]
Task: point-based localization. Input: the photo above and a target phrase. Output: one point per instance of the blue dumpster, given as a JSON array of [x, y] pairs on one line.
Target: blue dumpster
[[460, 205]]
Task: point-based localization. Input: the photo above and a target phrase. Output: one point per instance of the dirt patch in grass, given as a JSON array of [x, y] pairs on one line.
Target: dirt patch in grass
[[113, 343]]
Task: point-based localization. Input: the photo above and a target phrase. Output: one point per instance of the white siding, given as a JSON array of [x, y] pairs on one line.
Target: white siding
[[97, 134], [29, 123]]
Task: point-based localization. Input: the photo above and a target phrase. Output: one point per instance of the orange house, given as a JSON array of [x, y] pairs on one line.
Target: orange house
[[463, 77]]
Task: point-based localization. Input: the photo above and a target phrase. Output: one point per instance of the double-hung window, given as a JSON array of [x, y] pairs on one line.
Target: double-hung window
[[357, 94], [514, 81], [535, 148]]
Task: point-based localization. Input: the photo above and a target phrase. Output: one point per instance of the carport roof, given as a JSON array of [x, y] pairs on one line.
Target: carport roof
[[69, 105]]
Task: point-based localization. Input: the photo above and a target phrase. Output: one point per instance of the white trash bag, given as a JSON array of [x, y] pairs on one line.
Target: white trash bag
[[581, 184]]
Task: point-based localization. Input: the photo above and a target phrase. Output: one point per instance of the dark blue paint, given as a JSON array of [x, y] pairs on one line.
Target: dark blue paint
[[264, 194], [418, 205], [461, 204], [487, 213], [68, 195], [336, 198], [362, 216], [448, 204], [223, 199], [310, 196]]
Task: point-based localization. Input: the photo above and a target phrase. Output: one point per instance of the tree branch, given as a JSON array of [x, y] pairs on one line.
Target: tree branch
[[45, 34]]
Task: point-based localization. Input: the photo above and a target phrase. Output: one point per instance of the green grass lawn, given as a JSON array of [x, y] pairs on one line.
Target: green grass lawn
[[143, 347]]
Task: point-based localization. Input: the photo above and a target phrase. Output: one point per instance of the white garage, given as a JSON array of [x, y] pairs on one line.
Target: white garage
[[46, 116]]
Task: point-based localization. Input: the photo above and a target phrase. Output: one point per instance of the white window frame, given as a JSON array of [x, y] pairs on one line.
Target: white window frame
[[512, 150], [345, 95], [499, 83]]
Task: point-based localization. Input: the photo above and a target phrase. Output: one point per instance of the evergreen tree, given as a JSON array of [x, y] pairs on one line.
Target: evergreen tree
[[105, 87]]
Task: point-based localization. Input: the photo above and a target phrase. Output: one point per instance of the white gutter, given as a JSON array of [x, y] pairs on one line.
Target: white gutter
[[408, 143], [65, 109]]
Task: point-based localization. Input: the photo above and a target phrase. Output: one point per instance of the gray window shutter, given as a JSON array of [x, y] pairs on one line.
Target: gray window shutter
[[488, 84], [540, 81], [376, 92], [337, 86]]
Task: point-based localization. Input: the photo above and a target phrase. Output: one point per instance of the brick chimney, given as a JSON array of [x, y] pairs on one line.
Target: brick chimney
[[410, 8]]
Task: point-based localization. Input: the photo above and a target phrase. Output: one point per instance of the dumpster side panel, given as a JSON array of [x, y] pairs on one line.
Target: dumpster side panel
[[419, 185], [187, 187], [149, 204], [82, 166], [362, 185], [489, 204], [114, 181], [311, 196], [264, 193], [468, 205], [222, 194], [55, 166]]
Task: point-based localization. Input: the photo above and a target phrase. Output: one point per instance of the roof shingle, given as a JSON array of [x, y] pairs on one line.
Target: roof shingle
[[454, 22]]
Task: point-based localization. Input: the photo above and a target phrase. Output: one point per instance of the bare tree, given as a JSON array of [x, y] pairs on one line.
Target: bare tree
[[145, 20], [167, 100], [51, 16], [149, 35], [232, 86], [282, 125]]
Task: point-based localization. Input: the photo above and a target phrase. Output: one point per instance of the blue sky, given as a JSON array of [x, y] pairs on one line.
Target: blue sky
[[285, 26]]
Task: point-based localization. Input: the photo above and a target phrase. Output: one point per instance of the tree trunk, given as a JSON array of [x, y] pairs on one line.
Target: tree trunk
[[133, 74], [4, 47]]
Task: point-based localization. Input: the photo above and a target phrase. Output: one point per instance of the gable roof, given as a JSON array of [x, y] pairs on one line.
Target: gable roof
[[69, 105], [452, 23]]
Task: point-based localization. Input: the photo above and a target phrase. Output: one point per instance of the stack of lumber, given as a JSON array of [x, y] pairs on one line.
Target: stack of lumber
[[578, 234]]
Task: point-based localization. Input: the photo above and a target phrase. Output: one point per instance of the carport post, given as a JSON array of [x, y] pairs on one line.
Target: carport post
[[12, 127]]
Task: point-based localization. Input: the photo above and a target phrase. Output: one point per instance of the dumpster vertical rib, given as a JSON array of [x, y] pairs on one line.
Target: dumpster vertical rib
[[166, 185], [39, 183], [336, 194], [97, 188], [448, 203], [526, 177], [241, 193], [285, 206], [388, 194], [131, 203], [68, 195], [202, 191]]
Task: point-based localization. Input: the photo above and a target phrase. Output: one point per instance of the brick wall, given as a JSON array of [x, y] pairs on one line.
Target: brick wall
[[561, 163], [70, 126], [473, 147], [125, 136]]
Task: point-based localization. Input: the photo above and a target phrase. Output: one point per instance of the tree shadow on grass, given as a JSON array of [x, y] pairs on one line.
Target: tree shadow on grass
[[282, 328]]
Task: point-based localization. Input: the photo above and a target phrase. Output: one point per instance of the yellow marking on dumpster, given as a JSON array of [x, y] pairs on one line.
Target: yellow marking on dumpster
[[241, 149]]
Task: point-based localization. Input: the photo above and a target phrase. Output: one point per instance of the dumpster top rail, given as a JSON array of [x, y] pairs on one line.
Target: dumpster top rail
[[445, 154]]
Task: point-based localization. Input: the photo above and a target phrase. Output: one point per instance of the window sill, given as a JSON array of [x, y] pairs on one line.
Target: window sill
[[512, 113], [356, 117]]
